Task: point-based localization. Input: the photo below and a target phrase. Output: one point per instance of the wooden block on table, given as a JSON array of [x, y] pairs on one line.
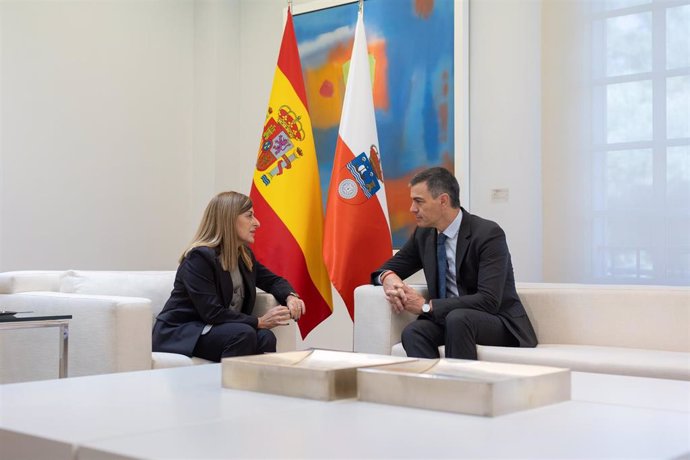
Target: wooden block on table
[[462, 386]]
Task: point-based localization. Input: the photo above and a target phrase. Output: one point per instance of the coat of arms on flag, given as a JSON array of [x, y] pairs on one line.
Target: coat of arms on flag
[[363, 182], [280, 134]]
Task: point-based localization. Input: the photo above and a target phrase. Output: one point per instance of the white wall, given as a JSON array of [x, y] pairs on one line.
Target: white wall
[[505, 124], [219, 130], [97, 104], [119, 120]]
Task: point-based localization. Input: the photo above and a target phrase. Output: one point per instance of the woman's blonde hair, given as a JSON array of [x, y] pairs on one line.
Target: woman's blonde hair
[[217, 229]]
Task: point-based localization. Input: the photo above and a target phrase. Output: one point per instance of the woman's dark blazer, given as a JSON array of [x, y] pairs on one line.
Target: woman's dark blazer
[[201, 295]]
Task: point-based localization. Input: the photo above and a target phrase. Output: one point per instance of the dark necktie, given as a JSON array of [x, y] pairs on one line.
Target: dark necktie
[[442, 263]]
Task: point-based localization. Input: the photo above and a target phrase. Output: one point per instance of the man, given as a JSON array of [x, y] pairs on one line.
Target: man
[[474, 301]]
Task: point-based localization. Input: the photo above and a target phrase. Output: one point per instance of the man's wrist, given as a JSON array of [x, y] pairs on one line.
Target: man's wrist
[[384, 274]]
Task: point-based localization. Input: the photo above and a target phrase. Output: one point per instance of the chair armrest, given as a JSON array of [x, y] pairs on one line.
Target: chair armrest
[[106, 334], [286, 336], [377, 328]]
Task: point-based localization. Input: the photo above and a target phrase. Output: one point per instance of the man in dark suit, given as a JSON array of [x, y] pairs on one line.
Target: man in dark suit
[[474, 300]]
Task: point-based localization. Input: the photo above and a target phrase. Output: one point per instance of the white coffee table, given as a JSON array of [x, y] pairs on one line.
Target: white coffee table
[[184, 413]]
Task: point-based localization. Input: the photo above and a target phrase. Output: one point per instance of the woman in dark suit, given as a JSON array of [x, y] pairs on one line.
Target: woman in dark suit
[[209, 313]]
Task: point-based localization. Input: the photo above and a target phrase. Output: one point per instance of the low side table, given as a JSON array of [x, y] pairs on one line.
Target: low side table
[[28, 321]]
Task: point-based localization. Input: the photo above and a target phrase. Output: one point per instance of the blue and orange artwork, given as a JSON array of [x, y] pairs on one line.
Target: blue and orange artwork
[[410, 44]]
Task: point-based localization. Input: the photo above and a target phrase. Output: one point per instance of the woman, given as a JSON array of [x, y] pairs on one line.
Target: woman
[[209, 313]]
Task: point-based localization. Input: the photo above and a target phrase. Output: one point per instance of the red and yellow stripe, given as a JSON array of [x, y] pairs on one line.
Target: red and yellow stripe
[[289, 241]]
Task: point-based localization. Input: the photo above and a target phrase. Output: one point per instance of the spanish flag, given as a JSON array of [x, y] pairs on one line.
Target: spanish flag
[[357, 239], [286, 191]]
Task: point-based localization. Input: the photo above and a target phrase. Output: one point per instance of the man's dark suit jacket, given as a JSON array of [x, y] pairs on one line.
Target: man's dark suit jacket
[[201, 295], [484, 274]]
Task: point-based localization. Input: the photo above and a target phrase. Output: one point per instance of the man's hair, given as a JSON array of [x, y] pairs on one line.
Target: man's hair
[[439, 180]]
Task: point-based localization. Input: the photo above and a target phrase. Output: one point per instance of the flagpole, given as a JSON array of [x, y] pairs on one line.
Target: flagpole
[[361, 6]]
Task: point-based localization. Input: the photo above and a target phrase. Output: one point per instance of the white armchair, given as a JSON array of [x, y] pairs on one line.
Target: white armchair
[[110, 331], [377, 329], [630, 330]]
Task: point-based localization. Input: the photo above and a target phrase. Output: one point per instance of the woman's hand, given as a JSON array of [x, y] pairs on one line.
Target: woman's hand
[[296, 307], [276, 316]]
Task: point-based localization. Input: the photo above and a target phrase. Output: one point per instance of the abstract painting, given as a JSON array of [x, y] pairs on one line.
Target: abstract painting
[[411, 52]]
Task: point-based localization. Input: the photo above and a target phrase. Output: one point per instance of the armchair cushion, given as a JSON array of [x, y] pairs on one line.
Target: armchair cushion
[[162, 360], [587, 358], [29, 280], [153, 285]]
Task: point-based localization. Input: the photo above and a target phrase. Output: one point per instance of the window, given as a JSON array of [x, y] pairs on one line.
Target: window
[[640, 117]]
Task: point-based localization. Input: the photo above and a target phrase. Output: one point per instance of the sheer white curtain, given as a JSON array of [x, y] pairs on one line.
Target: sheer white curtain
[[616, 141]]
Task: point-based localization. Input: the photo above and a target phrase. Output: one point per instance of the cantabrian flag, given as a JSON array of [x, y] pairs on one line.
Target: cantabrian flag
[[357, 239], [286, 191]]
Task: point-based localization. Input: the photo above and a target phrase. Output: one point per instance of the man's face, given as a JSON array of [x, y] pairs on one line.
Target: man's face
[[426, 209]]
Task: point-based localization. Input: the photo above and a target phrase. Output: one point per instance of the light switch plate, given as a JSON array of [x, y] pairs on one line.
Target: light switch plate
[[499, 195]]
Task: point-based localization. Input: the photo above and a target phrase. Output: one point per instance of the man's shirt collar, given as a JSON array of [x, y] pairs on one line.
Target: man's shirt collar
[[452, 230]]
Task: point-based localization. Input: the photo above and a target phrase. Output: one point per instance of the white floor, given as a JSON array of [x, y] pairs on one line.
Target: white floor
[[184, 413]]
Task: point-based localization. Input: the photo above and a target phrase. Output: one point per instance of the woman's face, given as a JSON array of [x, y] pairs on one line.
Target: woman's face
[[246, 225]]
